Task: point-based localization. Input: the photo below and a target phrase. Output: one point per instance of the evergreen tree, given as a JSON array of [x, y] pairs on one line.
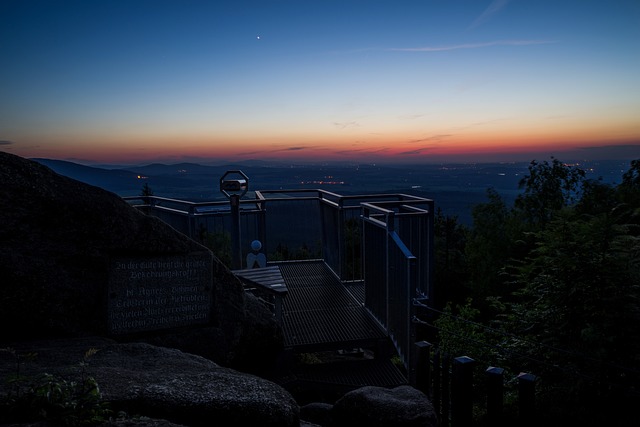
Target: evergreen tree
[[451, 266], [146, 190], [490, 246]]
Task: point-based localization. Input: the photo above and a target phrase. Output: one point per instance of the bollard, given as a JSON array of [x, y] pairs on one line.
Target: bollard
[[526, 397], [445, 390], [421, 371], [462, 392], [495, 394]]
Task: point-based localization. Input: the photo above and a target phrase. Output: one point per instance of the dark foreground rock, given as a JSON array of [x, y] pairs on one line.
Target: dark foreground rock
[[157, 383], [381, 407], [149, 386]]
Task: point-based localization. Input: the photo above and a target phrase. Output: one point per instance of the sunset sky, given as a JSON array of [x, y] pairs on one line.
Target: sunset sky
[[132, 81]]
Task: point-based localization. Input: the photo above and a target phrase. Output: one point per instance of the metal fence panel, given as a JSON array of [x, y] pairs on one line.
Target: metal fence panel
[[375, 270], [330, 218], [402, 276]]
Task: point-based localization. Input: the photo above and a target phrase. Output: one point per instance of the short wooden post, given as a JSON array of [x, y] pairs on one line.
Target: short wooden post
[[462, 392], [526, 397], [421, 370], [495, 394]]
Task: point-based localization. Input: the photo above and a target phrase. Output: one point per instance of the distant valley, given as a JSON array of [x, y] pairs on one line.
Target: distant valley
[[455, 188]]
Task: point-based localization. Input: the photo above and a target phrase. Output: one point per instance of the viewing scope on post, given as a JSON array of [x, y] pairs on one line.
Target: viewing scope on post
[[237, 186], [234, 189]]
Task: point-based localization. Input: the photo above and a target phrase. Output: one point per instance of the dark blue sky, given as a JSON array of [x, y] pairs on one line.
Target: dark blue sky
[[118, 81]]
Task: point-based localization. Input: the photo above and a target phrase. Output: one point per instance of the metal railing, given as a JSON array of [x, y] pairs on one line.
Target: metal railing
[[384, 239], [398, 260]]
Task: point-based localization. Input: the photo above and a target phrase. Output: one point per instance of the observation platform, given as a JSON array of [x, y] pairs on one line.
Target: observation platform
[[385, 239]]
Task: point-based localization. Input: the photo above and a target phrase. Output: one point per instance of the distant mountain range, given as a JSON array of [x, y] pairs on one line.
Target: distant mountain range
[[168, 180], [110, 179], [455, 188]]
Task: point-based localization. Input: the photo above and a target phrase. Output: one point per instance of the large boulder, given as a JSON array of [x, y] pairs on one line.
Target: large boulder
[[382, 407], [142, 380], [59, 239]]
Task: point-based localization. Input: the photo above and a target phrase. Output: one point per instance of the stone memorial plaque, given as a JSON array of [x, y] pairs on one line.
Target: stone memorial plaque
[[161, 292]]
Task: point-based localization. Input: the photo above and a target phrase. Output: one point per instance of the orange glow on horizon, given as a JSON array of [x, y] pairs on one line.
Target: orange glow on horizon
[[363, 152], [298, 146]]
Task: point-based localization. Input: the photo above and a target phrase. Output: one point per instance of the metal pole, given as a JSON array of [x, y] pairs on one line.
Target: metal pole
[[236, 251]]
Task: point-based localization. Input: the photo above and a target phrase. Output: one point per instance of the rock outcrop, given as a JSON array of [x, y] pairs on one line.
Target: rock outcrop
[[155, 382], [58, 238]]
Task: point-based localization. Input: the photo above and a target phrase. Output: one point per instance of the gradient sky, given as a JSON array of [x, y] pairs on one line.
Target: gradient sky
[[131, 81]]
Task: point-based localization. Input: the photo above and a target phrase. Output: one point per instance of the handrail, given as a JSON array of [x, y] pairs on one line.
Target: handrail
[[403, 248]]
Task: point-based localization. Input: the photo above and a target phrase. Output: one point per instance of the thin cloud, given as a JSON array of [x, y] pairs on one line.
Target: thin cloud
[[6, 142], [352, 151], [379, 150], [471, 45], [250, 153], [344, 125], [431, 138], [276, 150], [433, 141], [414, 152], [495, 7]]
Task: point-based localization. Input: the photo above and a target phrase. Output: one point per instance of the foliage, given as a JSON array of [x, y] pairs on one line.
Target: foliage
[[558, 275], [629, 189], [547, 189], [283, 253], [308, 359], [146, 193], [461, 335], [146, 190], [597, 198], [353, 249], [451, 264], [489, 246], [631, 178], [54, 399], [219, 243]]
